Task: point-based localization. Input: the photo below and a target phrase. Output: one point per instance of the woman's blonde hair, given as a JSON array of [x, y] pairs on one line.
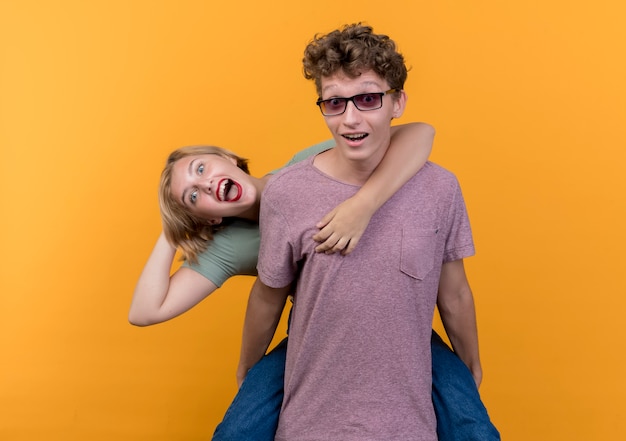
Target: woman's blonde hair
[[190, 233]]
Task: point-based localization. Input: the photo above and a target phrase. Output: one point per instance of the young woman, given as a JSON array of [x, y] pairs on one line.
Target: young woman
[[210, 207], [219, 237]]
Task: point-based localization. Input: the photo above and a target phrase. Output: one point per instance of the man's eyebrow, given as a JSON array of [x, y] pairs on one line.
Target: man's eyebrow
[[326, 88], [189, 172], [365, 84]]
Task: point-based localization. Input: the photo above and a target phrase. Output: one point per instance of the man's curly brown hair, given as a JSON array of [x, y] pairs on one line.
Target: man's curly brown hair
[[353, 50]]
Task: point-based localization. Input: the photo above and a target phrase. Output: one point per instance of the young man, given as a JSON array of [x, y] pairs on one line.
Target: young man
[[358, 360]]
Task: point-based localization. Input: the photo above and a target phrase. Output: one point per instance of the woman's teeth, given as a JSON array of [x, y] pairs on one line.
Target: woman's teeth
[[228, 191], [223, 189]]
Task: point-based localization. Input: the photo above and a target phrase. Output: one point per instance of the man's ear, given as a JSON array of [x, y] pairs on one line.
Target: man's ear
[[399, 104]]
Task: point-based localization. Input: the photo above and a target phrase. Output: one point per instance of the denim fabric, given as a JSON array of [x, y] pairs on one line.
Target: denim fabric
[[253, 414], [461, 415]]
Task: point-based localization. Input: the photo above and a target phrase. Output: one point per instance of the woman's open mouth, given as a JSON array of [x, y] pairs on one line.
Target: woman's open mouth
[[228, 191]]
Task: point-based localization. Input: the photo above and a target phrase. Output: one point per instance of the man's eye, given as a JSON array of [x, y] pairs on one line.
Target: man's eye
[[200, 169], [193, 197]]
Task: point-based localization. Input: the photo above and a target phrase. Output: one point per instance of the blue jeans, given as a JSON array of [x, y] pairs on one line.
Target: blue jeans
[[461, 415]]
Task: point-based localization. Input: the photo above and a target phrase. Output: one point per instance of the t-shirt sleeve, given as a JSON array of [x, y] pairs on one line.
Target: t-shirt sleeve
[[233, 251], [459, 243], [276, 267]]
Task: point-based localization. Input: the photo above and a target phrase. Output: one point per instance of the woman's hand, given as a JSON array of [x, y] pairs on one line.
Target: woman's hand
[[342, 228]]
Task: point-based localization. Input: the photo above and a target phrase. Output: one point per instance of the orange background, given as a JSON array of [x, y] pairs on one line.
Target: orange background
[[529, 101]]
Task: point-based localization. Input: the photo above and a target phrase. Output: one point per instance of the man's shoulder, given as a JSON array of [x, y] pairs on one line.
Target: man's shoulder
[[291, 177], [435, 171], [433, 167], [308, 152], [311, 151]]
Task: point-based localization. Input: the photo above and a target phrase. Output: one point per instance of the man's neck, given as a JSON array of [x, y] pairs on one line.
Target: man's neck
[[350, 171]]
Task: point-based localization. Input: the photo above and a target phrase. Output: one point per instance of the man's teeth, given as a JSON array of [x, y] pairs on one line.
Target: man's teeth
[[355, 137]]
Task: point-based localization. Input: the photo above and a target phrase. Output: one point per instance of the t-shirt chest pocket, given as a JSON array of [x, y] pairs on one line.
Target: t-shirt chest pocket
[[418, 252]]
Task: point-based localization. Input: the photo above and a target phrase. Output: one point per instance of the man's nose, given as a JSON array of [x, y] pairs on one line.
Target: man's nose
[[352, 115]]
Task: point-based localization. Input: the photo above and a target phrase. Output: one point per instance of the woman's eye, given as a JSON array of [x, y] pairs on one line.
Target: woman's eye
[[193, 197], [200, 169]]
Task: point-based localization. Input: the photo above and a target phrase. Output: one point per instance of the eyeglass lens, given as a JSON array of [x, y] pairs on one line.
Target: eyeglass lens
[[365, 101]]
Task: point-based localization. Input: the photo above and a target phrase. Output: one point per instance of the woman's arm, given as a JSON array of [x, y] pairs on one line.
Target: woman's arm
[[159, 297], [342, 228]]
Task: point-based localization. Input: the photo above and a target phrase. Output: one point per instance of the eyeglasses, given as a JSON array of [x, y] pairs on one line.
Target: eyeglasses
[[363, 101]]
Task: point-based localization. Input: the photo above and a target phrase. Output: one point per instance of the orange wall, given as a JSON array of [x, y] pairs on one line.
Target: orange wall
[[530, 106]]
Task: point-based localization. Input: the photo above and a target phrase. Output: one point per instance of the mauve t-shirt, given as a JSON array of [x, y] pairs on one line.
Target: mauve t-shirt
[[358, 360]]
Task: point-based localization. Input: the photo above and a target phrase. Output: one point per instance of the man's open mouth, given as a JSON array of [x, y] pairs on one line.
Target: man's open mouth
[[355, 136]]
